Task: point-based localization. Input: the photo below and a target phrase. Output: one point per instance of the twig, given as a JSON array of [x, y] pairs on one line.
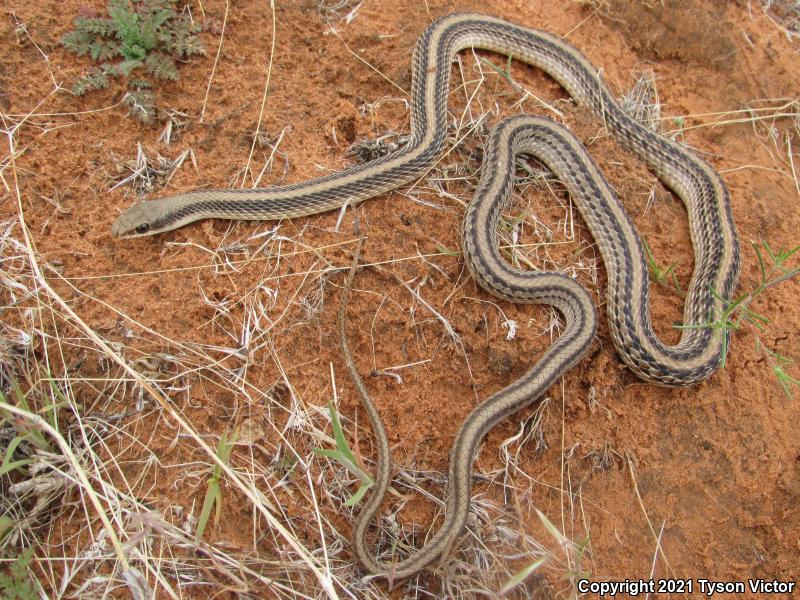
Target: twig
[[216, 58]]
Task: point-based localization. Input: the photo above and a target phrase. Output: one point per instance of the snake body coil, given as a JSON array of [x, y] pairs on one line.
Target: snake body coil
[[713, 234]]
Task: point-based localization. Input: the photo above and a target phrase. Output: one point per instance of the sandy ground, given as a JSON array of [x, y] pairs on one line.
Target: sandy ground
[[239, 327]]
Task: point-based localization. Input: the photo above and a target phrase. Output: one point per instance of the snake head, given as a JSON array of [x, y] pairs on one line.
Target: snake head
[[145, 218]]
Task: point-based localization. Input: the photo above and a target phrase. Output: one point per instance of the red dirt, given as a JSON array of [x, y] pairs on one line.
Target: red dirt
[[717, 465]]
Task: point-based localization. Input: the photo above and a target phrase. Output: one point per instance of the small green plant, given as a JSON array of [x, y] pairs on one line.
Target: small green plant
[[777, 271], [18, 583], [213, 493], [779, 365], [6, 525], [345, 456], [137, 34], [728, 323], [504, 73], [520, 576], [576, 572], [25, 438], [659, 273], [773, 270]]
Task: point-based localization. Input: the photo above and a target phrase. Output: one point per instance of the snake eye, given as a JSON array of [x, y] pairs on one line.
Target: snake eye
[[143, 228]]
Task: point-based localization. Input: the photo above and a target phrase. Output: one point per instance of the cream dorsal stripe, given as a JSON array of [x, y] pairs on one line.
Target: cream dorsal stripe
[[699, 186]]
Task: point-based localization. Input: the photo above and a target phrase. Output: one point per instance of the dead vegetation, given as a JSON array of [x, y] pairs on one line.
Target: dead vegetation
[[86, 406]]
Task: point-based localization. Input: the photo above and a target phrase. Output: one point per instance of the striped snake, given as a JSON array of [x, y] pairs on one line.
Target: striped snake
[[713, 234]]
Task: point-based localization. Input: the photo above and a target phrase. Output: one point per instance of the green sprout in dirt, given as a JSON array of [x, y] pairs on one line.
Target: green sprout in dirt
[[504, 73], [17, 583], [773, 270], [776, 272], [213, 497], [26, 439], [138, 34], [345, 456], [576, 552], [520, 576], [657, 272], [779, 366]]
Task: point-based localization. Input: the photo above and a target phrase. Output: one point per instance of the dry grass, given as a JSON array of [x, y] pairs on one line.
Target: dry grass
[[786, 15], [81, 469], [92, 401]]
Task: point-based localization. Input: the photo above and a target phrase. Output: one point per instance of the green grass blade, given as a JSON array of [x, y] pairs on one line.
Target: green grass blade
[[213, 497], [7, 467], [338, 434], [344, 456], [356, 498], [520, 576]]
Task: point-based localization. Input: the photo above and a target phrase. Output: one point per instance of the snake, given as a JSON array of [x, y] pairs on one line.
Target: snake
[[701, 346]]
